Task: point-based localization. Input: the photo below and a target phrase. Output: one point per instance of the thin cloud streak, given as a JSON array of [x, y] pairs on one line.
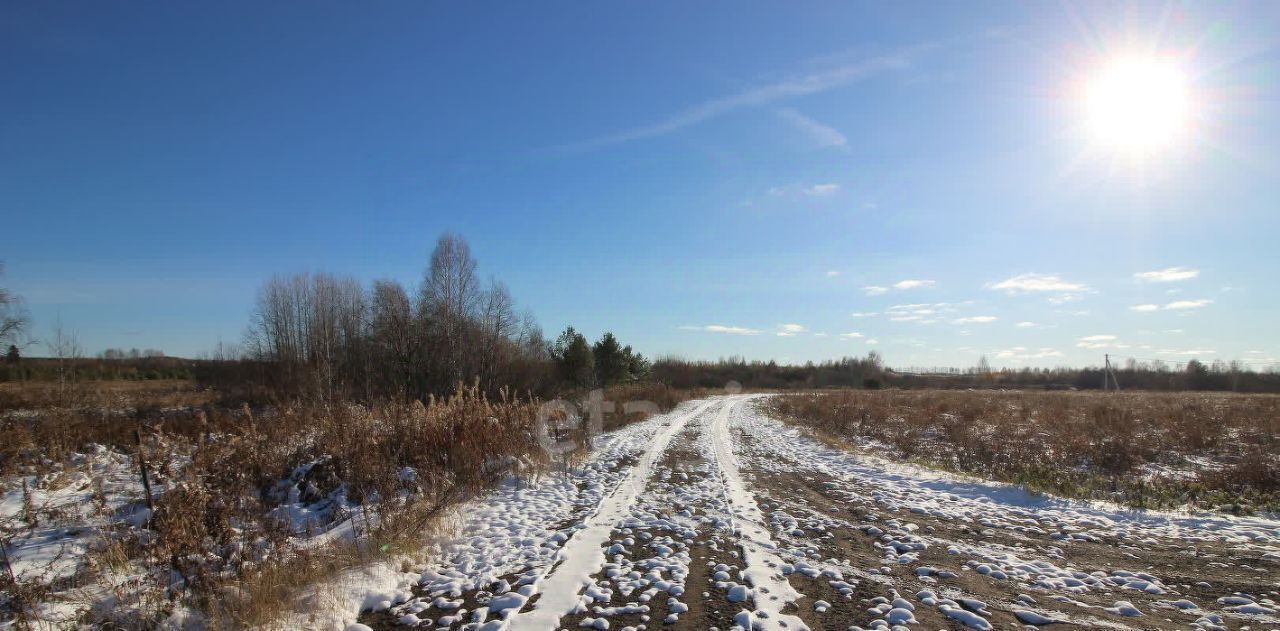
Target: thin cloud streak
[[822, 135], [805, 85], [720, 328], [1168, 275], [913, 284], [1180, 305]]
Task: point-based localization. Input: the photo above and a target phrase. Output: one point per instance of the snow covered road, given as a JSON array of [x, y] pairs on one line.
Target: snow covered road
[[584, 555], [716, 516]]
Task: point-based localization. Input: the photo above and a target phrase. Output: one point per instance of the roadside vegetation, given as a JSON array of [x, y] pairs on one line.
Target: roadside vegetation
[[1142, 449], [137, 489]]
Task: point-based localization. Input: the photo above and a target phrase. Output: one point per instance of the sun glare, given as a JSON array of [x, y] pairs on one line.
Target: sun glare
[[1138, 105]]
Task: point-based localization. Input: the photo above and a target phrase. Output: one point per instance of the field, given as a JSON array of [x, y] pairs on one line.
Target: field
[[827, 510], [1215, 451]]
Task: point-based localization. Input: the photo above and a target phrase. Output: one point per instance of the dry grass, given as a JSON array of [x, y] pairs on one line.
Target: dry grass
[[212, 542], [218, 477], [160, 393], [663, 397], [455, 447], [1141, 449]]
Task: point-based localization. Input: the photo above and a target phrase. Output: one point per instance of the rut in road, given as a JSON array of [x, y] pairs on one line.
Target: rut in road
[[770, 590], [559, 591]]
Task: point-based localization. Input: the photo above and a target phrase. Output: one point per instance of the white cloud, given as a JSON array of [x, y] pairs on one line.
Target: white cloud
[[1021, 353], [1037, 282], [821, 190], [1187, 353], [790, 330], [822, 135], [907, 318], [863, 314], [975, 320], [832, 273], [1178, 305], [1025, 324], [902, 285], [924, 312], [1168, 275], [720, 328], [1062, 299], [872, 342], [850, 336], [1099, 341], [913, 284]]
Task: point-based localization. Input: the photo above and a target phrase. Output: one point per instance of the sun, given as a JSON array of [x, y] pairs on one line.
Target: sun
[[1138, 105]]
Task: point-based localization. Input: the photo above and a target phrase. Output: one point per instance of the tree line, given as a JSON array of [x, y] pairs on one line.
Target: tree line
[[849, 372], [319, 335], [324, 336], [870, 372]]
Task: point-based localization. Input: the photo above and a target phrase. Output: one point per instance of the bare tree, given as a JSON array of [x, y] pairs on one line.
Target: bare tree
[[328, 337], [312, 325], [64, 347], [391, 329], [498, 328], [448, 303], [13, 318], [984, 369]]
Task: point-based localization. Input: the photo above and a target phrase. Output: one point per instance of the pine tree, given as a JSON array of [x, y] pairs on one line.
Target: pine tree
[[574, 358], [611, 363]]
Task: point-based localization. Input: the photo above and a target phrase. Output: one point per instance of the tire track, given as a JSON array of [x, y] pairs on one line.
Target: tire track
[[770, 590], [583, 555]]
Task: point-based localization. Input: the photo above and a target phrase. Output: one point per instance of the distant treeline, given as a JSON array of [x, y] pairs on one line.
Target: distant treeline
[[857, 372], [96, 369], [869, 372]]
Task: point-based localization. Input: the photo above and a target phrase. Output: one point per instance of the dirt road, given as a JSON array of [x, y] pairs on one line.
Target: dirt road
[[717, 517]]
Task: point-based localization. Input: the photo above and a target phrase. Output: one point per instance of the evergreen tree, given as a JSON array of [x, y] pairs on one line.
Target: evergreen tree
[[611, 362], [637, 365], [574, 358]]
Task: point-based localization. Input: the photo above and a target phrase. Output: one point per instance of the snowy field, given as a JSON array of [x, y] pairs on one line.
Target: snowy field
[[712, 516], [717, 516]]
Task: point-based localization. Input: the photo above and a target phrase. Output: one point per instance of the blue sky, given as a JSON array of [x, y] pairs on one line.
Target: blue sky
[[705, 179]]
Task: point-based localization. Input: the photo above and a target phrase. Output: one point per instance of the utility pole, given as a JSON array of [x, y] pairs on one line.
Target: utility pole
[[1109, 375]]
